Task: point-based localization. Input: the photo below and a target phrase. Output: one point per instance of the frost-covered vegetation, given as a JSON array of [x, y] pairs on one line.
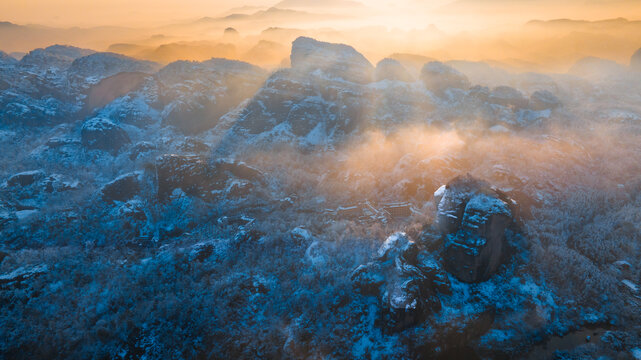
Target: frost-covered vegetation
[[215, 210]]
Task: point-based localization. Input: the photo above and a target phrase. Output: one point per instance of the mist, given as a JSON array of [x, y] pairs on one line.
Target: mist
[[517, 35], [339, 179]]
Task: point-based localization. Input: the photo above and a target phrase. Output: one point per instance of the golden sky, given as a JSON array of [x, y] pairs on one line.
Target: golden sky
[[134, 13], [400, 13]]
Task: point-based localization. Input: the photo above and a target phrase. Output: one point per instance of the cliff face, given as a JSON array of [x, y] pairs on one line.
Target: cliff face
[[473, 218]]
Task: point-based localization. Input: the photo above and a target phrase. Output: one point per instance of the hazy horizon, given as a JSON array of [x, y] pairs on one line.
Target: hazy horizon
[[451, 15]]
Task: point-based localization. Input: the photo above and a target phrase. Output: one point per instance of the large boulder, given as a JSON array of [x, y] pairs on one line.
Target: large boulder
[[25, 178], [390, 69], [190, 173], [122, 188], [508, 96], [543, 100], [337, 60], [102, 134], [635, 61], [473, 218], [438, 78], [31, 184]]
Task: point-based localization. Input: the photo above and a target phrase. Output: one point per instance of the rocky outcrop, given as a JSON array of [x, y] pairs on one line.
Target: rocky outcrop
[[141, 148], [113, 87], [390, 69], [312, 109], [338, 60], [36, 183], [438, 78], [508, 96], [59, 56], [103, 134], [197, 94], [95, 67], [122, 188], [406, 280], [473, 218], [191, 174], [21, 275], [25, 178], [6, 59], [544, 100], [198, 177]]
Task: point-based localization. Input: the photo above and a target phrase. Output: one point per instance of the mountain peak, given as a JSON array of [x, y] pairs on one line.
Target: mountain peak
[[340, 60]]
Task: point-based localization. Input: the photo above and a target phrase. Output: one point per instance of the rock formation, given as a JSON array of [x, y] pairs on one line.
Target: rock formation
[[543, 100], [438, 78], [472, 217], [103, 134], [339, 60], [198, 177], [508, 96], [406, 280], [122, 188], [390, 69]]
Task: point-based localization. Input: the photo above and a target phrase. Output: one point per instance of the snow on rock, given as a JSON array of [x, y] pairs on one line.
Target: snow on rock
[[301, 234], [631, 286], [438, 194], [102, 134], [141, 149], [337, 60], [192, 174], [394, 244], [212, 250], [317, 254], [196, 95], [20, 275], [473, 218], [25, 178], [196, 176], [405, 279], [59, 56], [119, 96], [89, 70]]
